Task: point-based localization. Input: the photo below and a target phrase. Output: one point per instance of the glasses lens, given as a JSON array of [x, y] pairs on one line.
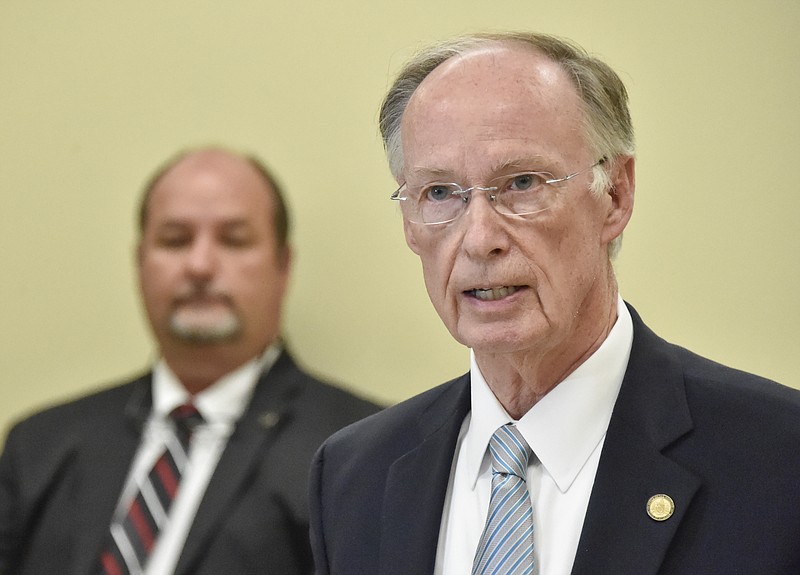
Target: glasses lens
[[524, 193], [438, 203]]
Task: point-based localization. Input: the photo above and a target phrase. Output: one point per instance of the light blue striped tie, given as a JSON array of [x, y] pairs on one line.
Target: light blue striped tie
[[506, 546]]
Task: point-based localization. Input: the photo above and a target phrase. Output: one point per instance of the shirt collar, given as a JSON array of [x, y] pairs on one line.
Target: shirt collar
[[224, 401], [567, 424]]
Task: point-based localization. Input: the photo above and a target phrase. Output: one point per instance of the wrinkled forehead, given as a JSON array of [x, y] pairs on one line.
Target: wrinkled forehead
[[208, 192], [493, 98]]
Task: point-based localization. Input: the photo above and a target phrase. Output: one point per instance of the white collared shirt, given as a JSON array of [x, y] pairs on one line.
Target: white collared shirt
[[565, 430], [221, 405]]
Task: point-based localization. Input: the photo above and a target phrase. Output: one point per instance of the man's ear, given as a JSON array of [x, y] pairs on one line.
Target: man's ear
[[623, 186], [138, 254], [409, 229], [285, 258]]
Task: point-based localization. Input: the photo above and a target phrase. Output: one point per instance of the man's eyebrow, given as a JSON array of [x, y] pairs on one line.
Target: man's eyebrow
[[172, 223], [526, 163], [182, 223], [235, 222], [435, 173]]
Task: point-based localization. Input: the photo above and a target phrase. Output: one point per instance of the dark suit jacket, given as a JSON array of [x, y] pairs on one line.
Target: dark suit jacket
[[62, 472], [725, 445]]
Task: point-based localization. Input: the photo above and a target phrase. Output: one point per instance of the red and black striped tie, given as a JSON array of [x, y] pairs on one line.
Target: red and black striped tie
[[134, 536]]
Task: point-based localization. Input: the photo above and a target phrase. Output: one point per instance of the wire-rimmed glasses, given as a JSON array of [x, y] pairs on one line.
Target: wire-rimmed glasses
[[518, 194]]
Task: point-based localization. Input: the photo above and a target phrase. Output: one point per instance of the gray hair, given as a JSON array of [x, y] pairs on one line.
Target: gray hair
[[607, 121]]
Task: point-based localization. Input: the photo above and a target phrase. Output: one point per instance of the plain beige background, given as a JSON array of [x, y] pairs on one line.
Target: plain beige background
[[95, 94]]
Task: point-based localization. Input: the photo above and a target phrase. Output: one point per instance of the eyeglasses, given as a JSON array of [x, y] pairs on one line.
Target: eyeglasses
[[519, 194]]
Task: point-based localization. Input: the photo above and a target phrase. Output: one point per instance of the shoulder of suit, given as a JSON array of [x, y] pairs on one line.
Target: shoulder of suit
[[107, 402], [709, 382], [728, 385]]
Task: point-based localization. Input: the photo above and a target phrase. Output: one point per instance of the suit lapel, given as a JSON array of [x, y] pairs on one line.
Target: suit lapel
[[650, 414], [417, 485], [269, 409], [104, 459]]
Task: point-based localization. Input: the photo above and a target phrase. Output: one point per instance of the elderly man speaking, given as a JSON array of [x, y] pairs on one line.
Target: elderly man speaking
[[579, 442]]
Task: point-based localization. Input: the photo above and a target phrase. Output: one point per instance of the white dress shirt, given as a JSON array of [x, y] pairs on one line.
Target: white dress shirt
[[565, 430], [221, 405]]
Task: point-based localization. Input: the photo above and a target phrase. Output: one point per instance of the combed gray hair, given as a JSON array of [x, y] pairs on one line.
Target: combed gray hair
[[607, 121]]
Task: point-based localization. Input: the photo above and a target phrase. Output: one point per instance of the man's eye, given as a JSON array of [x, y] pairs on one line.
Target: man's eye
[[438, 192], [174, 241], [236, 240], [525, 181]]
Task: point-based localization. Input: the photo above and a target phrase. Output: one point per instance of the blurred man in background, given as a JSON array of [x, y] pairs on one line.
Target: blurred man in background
[[201, 465]]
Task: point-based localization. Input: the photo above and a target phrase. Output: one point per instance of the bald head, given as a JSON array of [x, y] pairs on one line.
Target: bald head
[[605, 113], [220, 158]]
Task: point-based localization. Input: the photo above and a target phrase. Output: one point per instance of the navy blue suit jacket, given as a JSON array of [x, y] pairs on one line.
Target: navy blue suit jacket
[[722, 443], [62, 472]]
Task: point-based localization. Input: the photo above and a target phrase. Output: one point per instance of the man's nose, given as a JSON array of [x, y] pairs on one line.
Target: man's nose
[[485, 232], [202, 258]]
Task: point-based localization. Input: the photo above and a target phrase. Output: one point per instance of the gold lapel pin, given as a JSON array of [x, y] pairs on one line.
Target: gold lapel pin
[[660, 507], [269, 419]]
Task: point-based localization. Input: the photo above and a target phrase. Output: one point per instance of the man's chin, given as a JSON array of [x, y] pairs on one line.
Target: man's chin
[[204, 331], [494, 339]]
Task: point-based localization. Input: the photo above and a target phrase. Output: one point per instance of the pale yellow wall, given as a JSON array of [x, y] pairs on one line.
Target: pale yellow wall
[[94, 94]]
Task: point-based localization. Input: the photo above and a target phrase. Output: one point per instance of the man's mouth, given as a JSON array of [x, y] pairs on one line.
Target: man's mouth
[[491, 294], [202, 297], [200, 300]]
